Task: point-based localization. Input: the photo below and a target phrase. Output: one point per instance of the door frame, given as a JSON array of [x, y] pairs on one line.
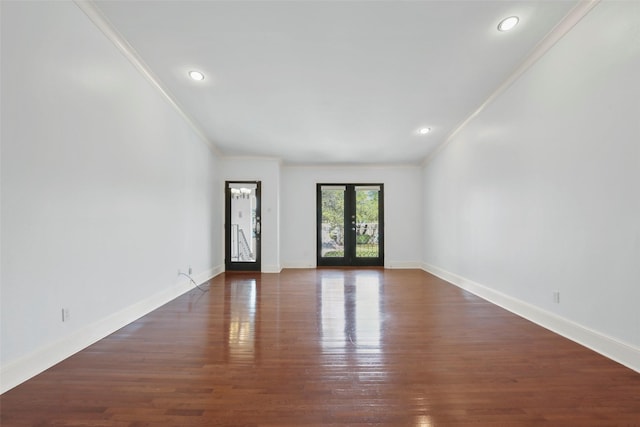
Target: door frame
[[349, 258], [231, 265]]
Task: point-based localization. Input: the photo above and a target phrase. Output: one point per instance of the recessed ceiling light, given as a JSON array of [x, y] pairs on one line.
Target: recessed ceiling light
[[508, 23], [196, 75], [424, 131]]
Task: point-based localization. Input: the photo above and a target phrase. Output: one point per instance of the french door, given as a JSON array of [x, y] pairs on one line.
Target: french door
[[242, 225], [350, 224]]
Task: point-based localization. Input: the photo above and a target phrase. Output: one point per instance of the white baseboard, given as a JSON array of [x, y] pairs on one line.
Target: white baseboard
[[301, 264], [271, 269], [42, 359], [621, 352], [402, 265], [209, 274]]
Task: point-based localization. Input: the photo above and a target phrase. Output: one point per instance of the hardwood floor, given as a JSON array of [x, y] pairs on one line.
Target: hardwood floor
[[329, 347]]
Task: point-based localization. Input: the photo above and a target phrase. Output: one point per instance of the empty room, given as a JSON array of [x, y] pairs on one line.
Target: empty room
[[316, 213]]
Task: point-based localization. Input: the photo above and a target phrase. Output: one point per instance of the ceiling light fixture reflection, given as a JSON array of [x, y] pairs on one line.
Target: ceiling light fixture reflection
[[196, 75], [508, 23], [424, 131]]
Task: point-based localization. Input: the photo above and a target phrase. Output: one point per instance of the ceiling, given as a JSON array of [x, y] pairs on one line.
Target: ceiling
[[331, 82]]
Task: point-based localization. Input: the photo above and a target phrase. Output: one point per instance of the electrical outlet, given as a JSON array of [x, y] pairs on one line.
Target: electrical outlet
[[66, 314], [556, 297], [190, 270]]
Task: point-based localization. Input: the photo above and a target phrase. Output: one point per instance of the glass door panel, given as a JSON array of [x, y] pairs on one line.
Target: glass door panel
[[332, 221], [242, 226], [367, 221], [349, 224]]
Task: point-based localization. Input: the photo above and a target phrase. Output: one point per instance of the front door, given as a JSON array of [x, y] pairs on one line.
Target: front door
[[242, 225], [350, 225]]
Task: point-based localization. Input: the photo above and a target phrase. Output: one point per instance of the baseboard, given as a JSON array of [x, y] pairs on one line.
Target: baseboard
[[209, 274], [621, 352], [271, 269], [299, 264], [402, 265], [42, 359]]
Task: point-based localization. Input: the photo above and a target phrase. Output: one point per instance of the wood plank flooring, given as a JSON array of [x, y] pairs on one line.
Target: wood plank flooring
[[329, 347]]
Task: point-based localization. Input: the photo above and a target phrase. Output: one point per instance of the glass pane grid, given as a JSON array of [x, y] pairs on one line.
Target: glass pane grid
[[367, 222]]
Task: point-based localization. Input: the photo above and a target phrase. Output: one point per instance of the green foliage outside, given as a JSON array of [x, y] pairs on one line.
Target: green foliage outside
[[333, 207], [367, 206], [333, 212], [366, 213]]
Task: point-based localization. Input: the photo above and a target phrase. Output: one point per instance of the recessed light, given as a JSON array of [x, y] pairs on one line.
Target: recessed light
[[196, 75], [424, 131], [508, 23]]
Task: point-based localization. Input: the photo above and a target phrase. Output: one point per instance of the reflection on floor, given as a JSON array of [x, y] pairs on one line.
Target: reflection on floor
[[329, 347]]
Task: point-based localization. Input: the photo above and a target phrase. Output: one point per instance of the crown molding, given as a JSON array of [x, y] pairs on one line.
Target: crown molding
[[96, 16], [574, 16]]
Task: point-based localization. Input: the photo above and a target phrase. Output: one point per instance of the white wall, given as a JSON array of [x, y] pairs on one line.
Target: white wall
[[402, 210], [268, 172], [541, 191], [106, 192]]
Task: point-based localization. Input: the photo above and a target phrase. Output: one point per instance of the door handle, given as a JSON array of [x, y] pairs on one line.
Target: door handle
[[257, 228]]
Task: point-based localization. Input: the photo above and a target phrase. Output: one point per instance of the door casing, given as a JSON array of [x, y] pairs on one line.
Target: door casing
[[231, 265], [349, 258]]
